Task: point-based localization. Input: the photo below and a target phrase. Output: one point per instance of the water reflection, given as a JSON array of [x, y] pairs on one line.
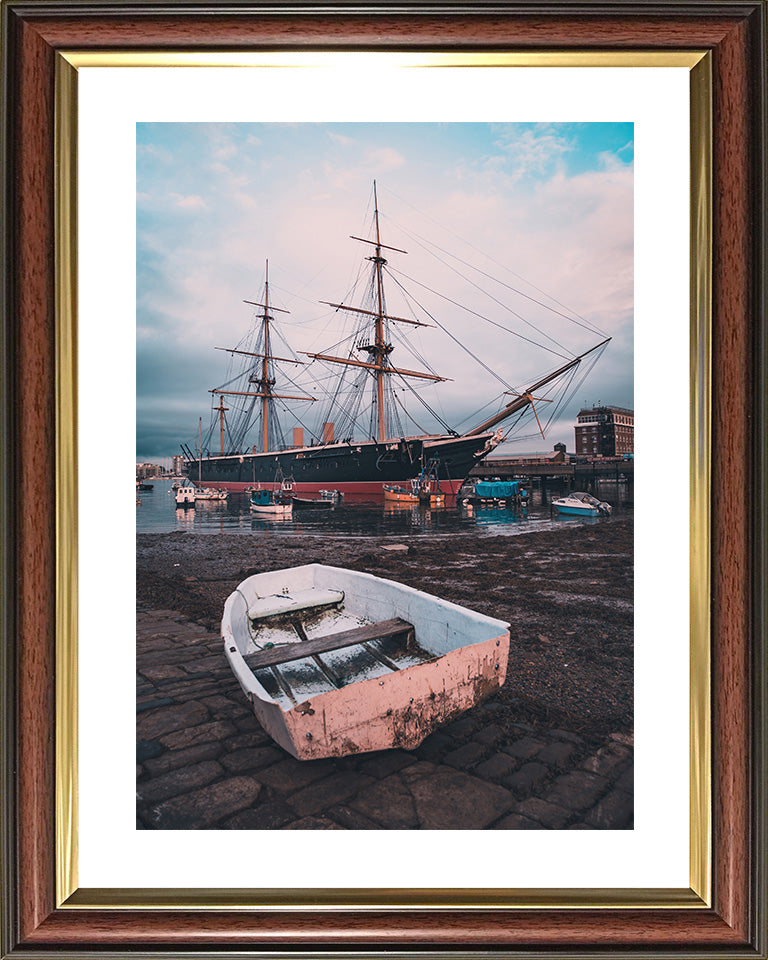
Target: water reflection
[[157, 513], [185, 517]]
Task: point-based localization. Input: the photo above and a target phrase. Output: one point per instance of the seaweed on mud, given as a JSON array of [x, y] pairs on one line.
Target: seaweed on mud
[[571, 658]]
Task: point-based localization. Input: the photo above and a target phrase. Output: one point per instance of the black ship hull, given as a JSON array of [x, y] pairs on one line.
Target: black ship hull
[[355, 469]]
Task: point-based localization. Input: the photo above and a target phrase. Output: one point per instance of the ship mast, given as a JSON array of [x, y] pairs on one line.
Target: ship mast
[[221, 410], [265, 383], [379, 350]]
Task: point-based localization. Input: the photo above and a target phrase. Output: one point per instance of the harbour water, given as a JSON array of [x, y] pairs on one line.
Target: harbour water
[[157, 513]]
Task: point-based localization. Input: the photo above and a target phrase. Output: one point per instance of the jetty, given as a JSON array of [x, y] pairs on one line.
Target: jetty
[[581, 469]]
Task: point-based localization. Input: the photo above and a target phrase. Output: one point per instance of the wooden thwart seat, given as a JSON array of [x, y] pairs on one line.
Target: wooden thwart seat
[[287, 652]]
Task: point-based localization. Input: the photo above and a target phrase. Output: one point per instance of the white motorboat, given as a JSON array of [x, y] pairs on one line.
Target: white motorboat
[[185, 494], [210, 493], [582, 505]]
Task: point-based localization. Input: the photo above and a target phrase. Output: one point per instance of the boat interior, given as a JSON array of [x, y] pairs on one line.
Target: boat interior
[[306, 631]]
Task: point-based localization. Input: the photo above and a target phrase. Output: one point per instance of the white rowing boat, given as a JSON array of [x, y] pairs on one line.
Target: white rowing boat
[[337, 662]]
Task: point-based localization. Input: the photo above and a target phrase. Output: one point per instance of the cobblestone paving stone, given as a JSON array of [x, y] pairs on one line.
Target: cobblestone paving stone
[[203, 761]]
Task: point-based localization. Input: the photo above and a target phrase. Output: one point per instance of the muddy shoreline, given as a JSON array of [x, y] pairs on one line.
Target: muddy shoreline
[[567, 593]]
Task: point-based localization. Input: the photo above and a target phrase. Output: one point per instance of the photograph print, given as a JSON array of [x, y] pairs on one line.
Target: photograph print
[[385, 476]]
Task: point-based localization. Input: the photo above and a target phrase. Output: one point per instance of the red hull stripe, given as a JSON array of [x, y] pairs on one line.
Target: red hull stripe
[[370, 489]]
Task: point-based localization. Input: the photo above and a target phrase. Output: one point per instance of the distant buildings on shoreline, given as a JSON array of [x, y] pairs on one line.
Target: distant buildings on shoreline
[[144, 470], [605, 431]]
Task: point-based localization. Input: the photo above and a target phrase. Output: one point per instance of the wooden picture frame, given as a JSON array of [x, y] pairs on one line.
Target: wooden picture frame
[[36, 564]]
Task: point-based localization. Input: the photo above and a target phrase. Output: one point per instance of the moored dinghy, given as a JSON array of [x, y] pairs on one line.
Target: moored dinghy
[[337, 662], [210, 493], [312, 503], [267, 501]]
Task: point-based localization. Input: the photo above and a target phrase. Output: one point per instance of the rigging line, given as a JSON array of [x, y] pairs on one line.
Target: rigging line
[[334, 398], [586, 373], [312, 321], [523, 416], [503, 305], [304, 287], [347, 414], [320, 334], [513, 426], [596, 356], [560, 401], [250, 336], [476, 414], [281, 408], [299, 385], [402, 337], [349, 336], [350, 421], [461, 306], [486, 255], [585, 324], [298, 419], [463, 346], [394, 423], [424, 403], [568, 389], [275, 330], [358, 327], [526, 436], [230, 438], [558, 404], [360, 274], [321, 383], [410, 416], [243, 371], [316, 384], [562, 388], [296, 296], [355, 420]]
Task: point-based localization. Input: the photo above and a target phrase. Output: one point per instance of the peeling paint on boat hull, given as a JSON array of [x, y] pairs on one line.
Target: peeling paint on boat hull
[[458, 657], [397, 710]]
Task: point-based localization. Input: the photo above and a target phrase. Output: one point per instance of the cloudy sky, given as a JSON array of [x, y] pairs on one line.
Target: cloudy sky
[[520, 254]]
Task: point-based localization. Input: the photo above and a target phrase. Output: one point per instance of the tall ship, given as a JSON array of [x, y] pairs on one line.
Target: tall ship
[[361, 442]]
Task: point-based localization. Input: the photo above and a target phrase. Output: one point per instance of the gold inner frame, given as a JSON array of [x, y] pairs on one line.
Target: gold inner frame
[[68, 893]]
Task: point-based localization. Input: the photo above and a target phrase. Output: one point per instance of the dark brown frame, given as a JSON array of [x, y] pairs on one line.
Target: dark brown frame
[[735, 33]]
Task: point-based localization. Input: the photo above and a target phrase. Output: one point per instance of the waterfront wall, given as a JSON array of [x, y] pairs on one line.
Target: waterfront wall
[[510, 468]]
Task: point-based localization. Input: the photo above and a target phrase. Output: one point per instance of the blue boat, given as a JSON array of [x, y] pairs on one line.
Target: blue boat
[[269, 501], [498, 489], [496, 493], [582, 505]]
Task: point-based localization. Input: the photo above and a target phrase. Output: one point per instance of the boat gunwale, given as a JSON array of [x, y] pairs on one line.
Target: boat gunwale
[[244, 674]]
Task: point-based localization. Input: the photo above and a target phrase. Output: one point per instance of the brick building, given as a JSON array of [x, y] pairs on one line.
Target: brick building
[[604, 431]]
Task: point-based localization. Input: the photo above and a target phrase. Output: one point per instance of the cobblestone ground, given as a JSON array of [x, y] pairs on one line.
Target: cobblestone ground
[[204, 762]]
